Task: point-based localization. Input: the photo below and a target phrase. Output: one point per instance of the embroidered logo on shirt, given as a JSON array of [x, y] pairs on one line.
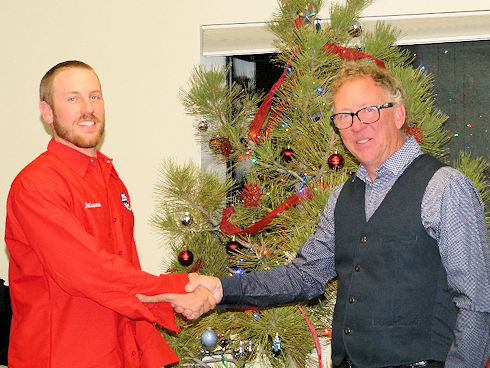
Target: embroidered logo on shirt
[[92, 205], [125, 201]]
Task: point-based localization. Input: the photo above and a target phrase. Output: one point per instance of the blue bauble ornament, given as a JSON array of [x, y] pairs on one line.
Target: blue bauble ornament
[[209, 338]]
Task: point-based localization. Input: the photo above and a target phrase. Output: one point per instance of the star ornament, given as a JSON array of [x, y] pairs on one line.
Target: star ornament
[[305, 16], [308, 14]]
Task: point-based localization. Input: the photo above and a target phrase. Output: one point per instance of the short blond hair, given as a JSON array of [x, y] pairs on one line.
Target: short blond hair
[[368, 69], [46, 85]]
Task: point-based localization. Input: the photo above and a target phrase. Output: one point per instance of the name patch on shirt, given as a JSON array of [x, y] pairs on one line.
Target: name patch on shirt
[[125, 201], [92, 205]]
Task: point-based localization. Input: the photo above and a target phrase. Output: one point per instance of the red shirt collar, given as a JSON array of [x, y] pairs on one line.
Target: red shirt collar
[[77, 160]]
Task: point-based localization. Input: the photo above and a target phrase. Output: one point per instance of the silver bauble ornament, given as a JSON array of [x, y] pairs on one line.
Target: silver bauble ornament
[[355, 30], [203, 126], [187, 219]]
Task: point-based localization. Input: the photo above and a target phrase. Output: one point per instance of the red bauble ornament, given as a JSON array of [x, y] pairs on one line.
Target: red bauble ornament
[[251, 195], [221, 145], [186, 257], [287, 154], [225, 147], [233, 246], [336, 161]]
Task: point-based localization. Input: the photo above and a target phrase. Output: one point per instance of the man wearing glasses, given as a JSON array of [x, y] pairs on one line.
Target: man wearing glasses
[[406, 238]]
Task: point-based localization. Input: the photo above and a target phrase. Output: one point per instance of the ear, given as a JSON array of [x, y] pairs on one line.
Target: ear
[[46, 112], [400, 115]]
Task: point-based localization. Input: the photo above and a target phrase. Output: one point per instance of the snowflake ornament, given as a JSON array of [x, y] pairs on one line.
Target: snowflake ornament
[[251, 195]]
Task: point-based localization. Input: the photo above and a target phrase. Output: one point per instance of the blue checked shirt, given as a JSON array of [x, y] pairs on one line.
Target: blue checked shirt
[[452, 213]]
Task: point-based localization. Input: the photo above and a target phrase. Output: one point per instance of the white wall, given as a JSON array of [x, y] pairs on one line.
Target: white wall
[[390, 7], [144, 53]]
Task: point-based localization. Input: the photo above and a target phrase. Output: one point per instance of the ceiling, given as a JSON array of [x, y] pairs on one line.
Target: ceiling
[[255, 38]]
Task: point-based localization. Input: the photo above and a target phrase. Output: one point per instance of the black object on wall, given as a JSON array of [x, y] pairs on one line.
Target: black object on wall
[[5, 318]]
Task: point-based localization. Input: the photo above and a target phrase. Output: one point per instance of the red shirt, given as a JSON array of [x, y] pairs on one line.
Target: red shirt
[[74, 271]]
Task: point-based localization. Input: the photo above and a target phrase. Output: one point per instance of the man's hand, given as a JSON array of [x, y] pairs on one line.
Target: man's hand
[[213, 284], [191, 305], [204, 292]]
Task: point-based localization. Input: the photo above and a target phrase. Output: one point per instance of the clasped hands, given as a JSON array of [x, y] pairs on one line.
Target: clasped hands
[[203, 293]]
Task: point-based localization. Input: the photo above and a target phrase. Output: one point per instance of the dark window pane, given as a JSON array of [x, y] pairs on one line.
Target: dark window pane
[[462, 83]]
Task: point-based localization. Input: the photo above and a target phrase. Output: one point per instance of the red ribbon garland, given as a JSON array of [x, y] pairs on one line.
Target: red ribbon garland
[[228, 228], [274, 118], [315, 336], [349, 54], [262, 112]]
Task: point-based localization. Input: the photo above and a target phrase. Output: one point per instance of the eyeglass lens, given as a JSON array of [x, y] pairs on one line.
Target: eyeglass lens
[[366, 115]]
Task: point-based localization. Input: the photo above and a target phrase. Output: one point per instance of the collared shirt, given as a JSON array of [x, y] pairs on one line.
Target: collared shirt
[[452, 214], [74, 270]]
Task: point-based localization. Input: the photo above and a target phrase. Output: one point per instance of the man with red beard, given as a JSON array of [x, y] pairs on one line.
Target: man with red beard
[[74, 271]]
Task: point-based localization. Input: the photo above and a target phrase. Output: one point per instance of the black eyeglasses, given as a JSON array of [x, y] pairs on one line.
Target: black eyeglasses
[[366, 115]]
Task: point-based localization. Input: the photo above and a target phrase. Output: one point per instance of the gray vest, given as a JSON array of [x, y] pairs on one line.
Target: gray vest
[[393, 304]]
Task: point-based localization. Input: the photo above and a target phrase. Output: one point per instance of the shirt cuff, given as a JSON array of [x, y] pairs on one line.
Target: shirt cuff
[[231, 291], [173, 283], [164, 313]]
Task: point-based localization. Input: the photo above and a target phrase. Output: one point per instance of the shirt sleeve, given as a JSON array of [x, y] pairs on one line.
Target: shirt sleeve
[[303, 279], [452, 213], [40, 216]]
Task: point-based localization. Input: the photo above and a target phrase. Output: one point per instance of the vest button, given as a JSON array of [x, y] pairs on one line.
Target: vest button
[[363, 239], [347, 330], [351, 299], [357, 268]]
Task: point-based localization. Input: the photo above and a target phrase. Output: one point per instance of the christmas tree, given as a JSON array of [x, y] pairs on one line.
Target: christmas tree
[[293, 158]]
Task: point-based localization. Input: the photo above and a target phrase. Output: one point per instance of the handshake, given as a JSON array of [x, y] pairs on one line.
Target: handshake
[[203, 293]]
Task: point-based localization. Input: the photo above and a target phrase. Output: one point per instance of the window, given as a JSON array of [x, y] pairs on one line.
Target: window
[[461, 84]]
